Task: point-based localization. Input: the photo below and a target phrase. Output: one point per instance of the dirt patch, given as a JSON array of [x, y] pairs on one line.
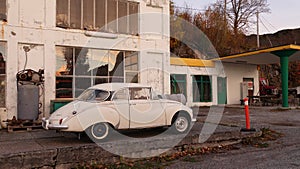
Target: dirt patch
[[186, 153], [283, 124], [162, 161], [263, 140]]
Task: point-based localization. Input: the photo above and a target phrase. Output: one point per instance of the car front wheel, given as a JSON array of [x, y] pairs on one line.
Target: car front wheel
[[98, 131], [181, 124]]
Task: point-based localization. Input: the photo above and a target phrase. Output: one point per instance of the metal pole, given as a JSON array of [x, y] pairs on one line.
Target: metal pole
[[284, 67], [257, 25], [284, 63]]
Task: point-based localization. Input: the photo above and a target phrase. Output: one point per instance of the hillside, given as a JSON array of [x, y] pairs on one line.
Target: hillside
[[272, 72], [283, 37]]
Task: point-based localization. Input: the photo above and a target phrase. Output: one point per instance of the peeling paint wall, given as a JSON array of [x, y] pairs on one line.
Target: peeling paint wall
[[33, 23]]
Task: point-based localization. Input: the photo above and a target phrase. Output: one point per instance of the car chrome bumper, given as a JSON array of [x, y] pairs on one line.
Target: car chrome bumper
[[46, 125]]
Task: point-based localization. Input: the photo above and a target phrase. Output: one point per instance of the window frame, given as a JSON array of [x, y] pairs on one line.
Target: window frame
[[202, 82], [173, 77], [129, 30], [128, 59], [74, 77]]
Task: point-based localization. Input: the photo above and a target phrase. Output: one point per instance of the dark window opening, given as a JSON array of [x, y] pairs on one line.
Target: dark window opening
[[202, 89], [178, 84]]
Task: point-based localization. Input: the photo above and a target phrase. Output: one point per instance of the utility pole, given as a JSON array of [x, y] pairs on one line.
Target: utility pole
[[225, 9], [225, 20], [257, 22]]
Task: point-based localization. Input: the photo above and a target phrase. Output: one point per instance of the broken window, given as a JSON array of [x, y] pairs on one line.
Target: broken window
[[79, 68], [2, 73], [3, 10], [99, 15], [116, 66]]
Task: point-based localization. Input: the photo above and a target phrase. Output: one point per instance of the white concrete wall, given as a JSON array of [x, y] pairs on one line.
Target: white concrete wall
[[189, 72], [32, 22], [235, 74], [155, 44]]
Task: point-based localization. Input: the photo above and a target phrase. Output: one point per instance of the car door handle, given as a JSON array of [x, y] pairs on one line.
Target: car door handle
[[133, 104]]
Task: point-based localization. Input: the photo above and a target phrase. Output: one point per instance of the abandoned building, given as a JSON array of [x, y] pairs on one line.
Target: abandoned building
[[65, 46]]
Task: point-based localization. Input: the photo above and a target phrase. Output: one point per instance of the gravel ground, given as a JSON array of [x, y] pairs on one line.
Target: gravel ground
[[281, 153]]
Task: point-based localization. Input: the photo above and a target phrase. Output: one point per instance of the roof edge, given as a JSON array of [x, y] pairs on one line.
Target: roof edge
[[268, 50]]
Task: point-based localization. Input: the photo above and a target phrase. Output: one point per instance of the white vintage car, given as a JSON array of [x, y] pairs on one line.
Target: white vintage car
[[103, 107]]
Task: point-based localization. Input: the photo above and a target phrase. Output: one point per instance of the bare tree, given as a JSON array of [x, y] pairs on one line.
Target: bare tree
[[224, 22], [241, 12]]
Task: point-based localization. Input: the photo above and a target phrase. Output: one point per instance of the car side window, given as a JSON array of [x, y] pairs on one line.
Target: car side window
[[121, 95], [101, 95], [139, 93]]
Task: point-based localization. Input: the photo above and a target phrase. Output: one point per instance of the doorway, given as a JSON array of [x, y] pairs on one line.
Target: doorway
[[222, 90]]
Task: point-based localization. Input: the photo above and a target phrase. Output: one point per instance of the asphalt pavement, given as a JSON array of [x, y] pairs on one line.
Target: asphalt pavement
[[282, 153], [215, 126]]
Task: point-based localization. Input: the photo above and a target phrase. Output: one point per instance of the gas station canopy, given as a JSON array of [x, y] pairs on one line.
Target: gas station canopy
[[281, 54], [264, 56]]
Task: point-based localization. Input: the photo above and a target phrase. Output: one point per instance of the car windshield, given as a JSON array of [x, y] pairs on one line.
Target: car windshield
[[94, 95]]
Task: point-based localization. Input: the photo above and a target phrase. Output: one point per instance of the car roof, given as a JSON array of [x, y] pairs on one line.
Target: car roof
[[116, 86]]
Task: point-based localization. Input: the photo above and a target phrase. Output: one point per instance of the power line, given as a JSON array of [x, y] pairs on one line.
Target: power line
[[268, 31], [264, 25], [269, 23], [188, 8]]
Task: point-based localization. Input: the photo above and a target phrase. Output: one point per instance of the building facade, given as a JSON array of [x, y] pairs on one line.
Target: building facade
[[80, 43]]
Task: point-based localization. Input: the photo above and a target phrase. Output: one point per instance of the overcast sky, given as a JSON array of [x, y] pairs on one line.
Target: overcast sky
[[284, 14]]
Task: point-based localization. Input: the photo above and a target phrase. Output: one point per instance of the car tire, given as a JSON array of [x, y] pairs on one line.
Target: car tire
[[181, 123], [98, 132]]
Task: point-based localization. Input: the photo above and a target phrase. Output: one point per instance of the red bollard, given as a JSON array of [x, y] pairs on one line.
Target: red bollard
[[247, 113], [247, 116]]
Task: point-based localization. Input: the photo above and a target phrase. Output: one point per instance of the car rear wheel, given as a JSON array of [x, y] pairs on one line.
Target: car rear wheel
[[181, 123], [98, 131]]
